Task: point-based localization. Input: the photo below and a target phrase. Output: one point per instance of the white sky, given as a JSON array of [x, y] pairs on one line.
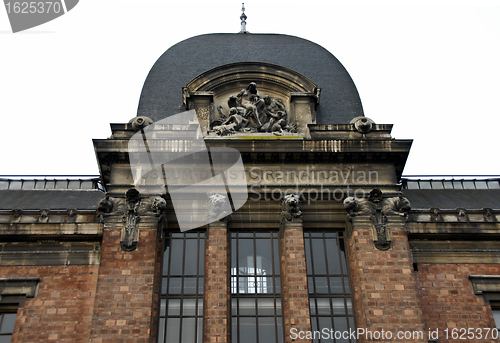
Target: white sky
[[431, 68]]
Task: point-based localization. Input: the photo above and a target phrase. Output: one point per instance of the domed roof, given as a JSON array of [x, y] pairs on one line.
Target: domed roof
[[162, 91]]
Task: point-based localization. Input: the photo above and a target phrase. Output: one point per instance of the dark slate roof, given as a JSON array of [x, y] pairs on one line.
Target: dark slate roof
[[450, 199], [162, 91], [50, 199]]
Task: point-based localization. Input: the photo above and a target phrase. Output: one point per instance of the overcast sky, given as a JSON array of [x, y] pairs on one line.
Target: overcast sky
[[431, 68]]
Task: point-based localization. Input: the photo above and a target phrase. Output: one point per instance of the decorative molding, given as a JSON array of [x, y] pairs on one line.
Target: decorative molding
[[485, 283], [26, 287]]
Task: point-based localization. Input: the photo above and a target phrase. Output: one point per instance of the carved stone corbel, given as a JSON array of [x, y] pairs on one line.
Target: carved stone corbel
[[218, 206], [377, 208], [130, 232], [291, 207]]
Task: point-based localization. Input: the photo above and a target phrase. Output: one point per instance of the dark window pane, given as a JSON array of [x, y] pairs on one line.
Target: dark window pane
[[164, 284], [323, 306], [278, 306], [165, 260], [310, 284], [332, 254], [176, 257], [312, 306], [161, 331], [346, 285], [338, 306], [247, 306], [8, 322], [318, 252], [174, 285], [265, 306], [336, 285], [200, 307], [234, 306], [163, 307], [277, 284], [267, 329], [325, 323], [199, 331], [248, 334], [349, 306], [233, 257], [201, 255], [201, 285], [234, 329], [173, 326], [321, 285], [264, 256], [190, 285], [279, 324], [340, 323], [276, 257], [174, 307], [191, 258], [189, 307], [188, 329], [308, 256]]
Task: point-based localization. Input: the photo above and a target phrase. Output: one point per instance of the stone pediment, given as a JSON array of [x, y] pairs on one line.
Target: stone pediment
[[255, 99]]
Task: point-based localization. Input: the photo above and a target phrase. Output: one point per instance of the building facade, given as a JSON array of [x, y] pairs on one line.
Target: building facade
[[249, 201]]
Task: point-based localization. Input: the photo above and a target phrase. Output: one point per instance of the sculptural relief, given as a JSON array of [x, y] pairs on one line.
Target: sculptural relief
[[249, 112]]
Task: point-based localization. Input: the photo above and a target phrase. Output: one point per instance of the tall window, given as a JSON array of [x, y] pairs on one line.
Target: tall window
[[255, 288], [328, 283], [181, 304], [8, 315]]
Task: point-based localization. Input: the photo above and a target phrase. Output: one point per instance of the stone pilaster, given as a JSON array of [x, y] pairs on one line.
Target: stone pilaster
[[295, 294], [385, 291], [217, 305], [126, 296]]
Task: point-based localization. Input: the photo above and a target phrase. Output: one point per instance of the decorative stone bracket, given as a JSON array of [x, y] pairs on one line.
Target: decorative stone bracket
[[131, 209], [377, 208]]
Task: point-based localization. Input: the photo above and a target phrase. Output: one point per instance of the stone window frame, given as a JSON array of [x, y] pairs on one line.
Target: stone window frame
[[14, 292], [487, 286]]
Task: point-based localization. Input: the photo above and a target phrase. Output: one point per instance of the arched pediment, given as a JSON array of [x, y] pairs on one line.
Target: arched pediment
[[267, 76], [292, 99]]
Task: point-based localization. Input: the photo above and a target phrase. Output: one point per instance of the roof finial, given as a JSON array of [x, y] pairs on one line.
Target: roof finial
[[243, 18]]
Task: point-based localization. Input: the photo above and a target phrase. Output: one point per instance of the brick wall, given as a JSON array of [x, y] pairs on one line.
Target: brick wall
[[294, 280], [124, 295], [62, 309], [217, 304], [385, 292], [448, 301]]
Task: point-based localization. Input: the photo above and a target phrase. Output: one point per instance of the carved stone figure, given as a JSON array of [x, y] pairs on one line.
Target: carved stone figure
[[159, 206], [130, 220], [218, 205], [234, 123], [105, 205], [291, 207], [250, 100]]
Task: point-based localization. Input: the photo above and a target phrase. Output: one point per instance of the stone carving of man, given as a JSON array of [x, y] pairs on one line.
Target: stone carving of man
[[250, 100], [274, 112], [234, 123]]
